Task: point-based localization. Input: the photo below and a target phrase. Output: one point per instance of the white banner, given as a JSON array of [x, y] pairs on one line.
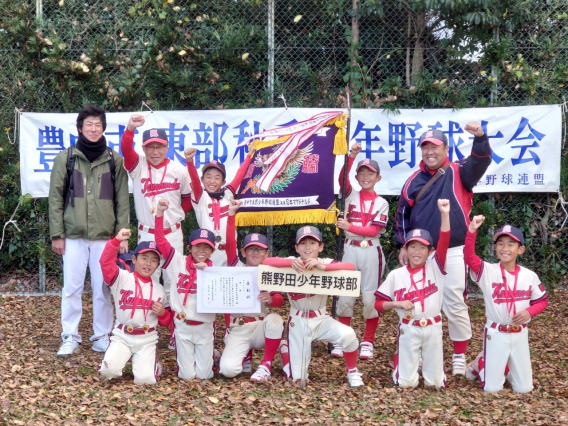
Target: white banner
[[526, 141]]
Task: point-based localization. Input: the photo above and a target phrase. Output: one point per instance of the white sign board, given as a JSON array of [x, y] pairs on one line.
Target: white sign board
[[331, 283], [224, 290]]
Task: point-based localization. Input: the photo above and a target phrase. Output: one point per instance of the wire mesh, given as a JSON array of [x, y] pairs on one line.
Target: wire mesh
[[217, 54]]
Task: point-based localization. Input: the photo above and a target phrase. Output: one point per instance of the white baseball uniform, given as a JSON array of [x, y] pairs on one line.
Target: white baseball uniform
[[135, 333], [505, 294], [194, 332], [367, 257], [169, 181], [246, 331], [308, 322], [420, 328], [212, 213]]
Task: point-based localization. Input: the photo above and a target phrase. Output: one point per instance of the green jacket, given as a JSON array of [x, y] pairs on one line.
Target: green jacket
[[92, 217]]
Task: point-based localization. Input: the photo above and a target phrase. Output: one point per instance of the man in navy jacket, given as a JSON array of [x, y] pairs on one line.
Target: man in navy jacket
[[455, 184]]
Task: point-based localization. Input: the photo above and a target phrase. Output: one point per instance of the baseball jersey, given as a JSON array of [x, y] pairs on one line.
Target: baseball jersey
[[133, 295], [507, 293], [373, 212], [310, 302], [169, 181], [423, 286], [184, 297], [205, 214]]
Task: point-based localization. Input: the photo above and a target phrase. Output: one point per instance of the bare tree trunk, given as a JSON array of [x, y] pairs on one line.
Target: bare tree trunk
[[418, 54], [354, 39]]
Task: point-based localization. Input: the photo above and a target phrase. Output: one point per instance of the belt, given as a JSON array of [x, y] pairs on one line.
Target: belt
[[130, 329], [152, 231], [221, 246], [360, 243], [423, 322], [189, 322], [309, 314], [508, 328], [246, 320]]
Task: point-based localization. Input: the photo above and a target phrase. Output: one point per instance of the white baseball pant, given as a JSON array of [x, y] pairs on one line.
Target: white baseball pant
[[301, 333], [500, 349], [455, 292], [142, 348], [175, 238], [411, 339], [80, 253], [242, 338], [194, 349], [370, 261]]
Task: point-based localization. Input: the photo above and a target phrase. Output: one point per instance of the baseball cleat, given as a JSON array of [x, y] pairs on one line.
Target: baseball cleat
[[216, 358], [355, 378], [247, 363], [337, 351], [366, 350], [458, 365], [68, 347], [284, 358], [172, 344], [472, 369], [101, 345], [158, 369], [261, 374]]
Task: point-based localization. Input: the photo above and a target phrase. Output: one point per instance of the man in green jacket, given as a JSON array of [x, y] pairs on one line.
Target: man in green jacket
[[84, 212]]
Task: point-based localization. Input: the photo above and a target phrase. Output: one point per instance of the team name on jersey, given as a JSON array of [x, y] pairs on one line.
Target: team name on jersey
[[415, 296], [150, 189], [128, 302], [184, 286], [502, 295], [298, 296]]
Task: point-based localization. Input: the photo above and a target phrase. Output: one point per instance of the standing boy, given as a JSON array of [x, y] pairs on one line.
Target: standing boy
[[308, 319], [194, 332], [416, 292], [248, 332], [366, 220], [512, 295], [211, 202], [138, 304]]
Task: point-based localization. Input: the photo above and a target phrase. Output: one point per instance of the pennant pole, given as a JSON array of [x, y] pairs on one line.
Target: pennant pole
[[342, 212]]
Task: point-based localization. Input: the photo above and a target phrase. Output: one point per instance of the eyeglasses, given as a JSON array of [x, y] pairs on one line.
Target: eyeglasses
[[256, 249], [155, 148]]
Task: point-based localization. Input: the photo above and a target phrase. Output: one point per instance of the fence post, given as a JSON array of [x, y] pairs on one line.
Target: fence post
[[270, 25], [41, 263], [39, 9]]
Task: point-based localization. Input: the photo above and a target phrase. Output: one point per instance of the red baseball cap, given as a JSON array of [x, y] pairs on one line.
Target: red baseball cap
[[154, 135], [434, 136]]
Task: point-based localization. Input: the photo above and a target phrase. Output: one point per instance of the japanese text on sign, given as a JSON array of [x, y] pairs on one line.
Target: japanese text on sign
[[287, 280]]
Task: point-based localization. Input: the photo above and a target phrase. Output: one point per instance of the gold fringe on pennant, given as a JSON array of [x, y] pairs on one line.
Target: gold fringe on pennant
[[285, 217], [340, 142]]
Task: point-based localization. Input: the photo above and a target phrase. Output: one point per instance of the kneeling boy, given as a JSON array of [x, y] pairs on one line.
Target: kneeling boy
[[194, 332], [309, 320], [248, 332], [138, 306]]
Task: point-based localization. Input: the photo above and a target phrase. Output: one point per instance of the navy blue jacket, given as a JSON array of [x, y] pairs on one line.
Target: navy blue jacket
[[455, 185]]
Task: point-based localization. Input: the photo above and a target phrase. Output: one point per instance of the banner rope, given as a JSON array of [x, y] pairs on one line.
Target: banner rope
[[11, 221]]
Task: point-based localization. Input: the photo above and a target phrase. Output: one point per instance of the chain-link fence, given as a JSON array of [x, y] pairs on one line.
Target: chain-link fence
[[58, 55]]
